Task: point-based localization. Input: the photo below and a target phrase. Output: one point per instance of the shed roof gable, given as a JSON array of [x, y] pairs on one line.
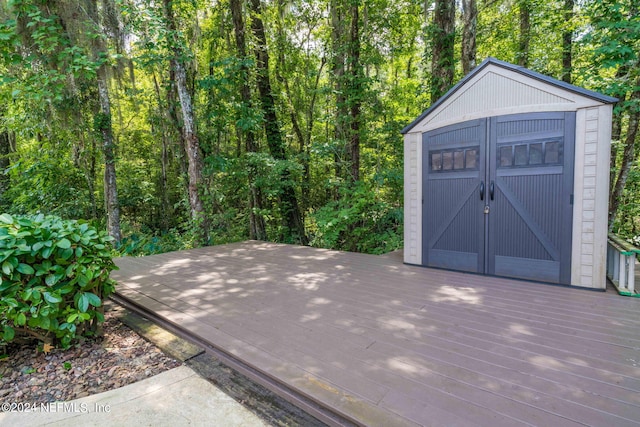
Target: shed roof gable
[[497, 87]]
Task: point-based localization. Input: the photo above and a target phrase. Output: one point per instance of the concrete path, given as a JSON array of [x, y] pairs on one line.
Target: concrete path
[[179, 397]]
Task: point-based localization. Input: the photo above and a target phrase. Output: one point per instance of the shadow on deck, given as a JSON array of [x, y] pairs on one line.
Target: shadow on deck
[[382, 343]]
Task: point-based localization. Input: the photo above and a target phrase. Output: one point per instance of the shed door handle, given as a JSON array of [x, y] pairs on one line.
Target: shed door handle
[[481, 190], [491, 188]]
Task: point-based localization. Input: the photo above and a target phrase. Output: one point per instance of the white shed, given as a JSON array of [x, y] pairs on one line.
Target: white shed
[[508, 174]]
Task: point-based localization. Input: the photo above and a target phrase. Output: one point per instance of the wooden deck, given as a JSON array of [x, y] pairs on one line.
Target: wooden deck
[[384, 343]]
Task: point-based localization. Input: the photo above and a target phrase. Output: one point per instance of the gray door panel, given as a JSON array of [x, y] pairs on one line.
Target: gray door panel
[[531, 167], [453, 230]]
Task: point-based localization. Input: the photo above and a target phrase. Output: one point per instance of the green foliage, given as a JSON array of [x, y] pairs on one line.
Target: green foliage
[[49, 103], [627, 222], [44, 182], [55, 275], [101, 122], [359, 221], [139, 243]]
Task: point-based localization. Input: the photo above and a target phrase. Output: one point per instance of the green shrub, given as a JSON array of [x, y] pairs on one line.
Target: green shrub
[[359, 221], [55, 274]]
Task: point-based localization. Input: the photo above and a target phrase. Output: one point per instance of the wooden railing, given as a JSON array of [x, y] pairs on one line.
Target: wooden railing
[[621, 261]]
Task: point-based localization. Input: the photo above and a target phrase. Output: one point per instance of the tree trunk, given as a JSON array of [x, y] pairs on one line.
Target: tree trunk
[[616, 132], [355, 92], [194, 158], [104, 127], [90, 176], [525, 33], [257, 225], [442, 66], [469, 16], [338, 73], [304, 135], [192, 148], [289, 207], [628, 156], [165, 213], [110, 186], [85, 157], [5, 150], [567, 41], [172, 109], [305, 150]]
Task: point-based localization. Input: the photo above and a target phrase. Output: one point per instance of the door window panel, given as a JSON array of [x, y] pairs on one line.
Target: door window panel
[[458, 159], [447, 160], [521, 155], [506, 157], [535, 154], [436, 161], [471, 159], [552, 152]]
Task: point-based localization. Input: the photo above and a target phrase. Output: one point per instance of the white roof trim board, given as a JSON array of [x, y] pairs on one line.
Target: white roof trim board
[[516, 87]]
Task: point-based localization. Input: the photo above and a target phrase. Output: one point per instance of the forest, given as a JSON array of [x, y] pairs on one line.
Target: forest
[[181, 123]]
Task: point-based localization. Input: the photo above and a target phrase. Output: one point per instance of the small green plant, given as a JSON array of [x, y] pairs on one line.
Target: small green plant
[[66, 366], [54, 276]]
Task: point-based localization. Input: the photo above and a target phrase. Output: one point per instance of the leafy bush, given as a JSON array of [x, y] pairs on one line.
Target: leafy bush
[[55, 274], [358, 221]]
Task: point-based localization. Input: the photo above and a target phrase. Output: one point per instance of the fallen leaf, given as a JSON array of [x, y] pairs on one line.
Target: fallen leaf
[[46, 348]]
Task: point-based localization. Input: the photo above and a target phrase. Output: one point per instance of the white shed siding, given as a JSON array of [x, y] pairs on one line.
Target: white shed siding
[[496, 91], [601, 222], [591, 190], [413, 198]]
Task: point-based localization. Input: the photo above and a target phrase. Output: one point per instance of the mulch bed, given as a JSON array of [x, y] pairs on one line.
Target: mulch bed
[[120, 357]]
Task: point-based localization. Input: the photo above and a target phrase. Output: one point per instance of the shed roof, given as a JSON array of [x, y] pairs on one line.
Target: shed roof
[[517, 69]]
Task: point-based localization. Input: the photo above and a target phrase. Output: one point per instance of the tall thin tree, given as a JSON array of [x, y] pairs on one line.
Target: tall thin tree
[[567, 41], [355, 91], [289, 206], [337, 51], [6, 147], [194, 155], [524, 37], [100, 53], [469, 48], [257, 226], [88, 24], [443, 41]]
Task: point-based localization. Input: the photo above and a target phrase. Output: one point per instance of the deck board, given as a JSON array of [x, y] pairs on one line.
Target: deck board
[[384, 343]]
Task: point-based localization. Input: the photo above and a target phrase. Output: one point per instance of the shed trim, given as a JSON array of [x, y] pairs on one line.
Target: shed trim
[[518, 69]]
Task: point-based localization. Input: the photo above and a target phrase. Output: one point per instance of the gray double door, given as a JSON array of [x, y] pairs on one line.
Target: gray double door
[[498, 196]]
